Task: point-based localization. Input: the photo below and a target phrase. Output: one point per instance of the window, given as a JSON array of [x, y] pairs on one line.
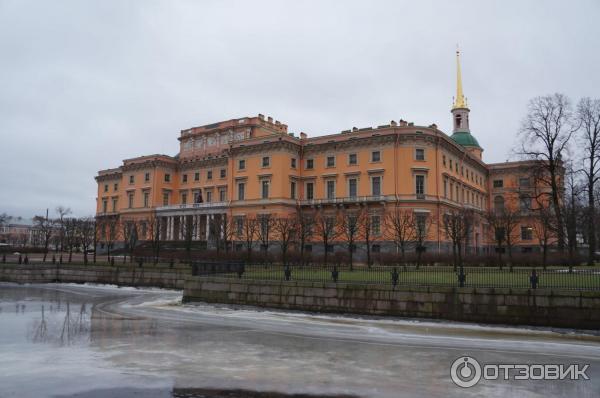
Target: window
[[498, 183], [104, 205], [376, 186], [293, 163], [310, 191], [310, 163], [146, 199], [450, 164], [209, 175], [293, 190], [498, 204], [524, 182], [330, 189], [265, 189], [241, 191], [420, 184], [114, 205], [131, 180], [167, 177], [116, 187], [444, 160], [222, 173], [183, 198], [526, 233], [105, 187], [375, 225], [239, 226], [420, 154], [130, 198], [222, 195], [445, 189], [352, 191], [242, 164], [266, 161], [352, 159], [165, 199], [147, 177], [330, 161], [375, 156], [184, 178], [208, 196], [197, 176], [525, 203]]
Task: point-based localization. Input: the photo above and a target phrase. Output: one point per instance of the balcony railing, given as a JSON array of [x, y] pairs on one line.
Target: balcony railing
[[192, 206]]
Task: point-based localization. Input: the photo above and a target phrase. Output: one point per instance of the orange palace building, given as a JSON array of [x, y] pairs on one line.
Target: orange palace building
[[252, 167]]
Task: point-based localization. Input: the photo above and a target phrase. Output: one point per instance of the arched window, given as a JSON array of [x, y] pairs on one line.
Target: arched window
[[458, 120], [498, 204]]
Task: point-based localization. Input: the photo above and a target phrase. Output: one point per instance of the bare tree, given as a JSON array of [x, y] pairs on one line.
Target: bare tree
[[109, 232], [304, 226], [543, 228], [421, 223], [249, 231], [325, 228], [546, 132], [349, 229], [400, 228], [62, 212], [285, 229], [69, 238], [572, 210], [264, 231], [457, 225], [46, 228], [510, 219], [130, 235], [588, 116], [86, 230], [155, 226], [368, 229]]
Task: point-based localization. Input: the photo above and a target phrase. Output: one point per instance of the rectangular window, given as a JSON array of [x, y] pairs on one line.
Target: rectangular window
[[498, 183], [239, 226], [147, 177], [197, 176], [105, 187], [293, 163], [222, 173], [167, 177], [242, 164], [331, 189], [293, 190], [420, 154], [376, 186], [524, 182], [450, 164], [116, 187], [265, 189], [266, 161], [165, 199], [352, 159], [209, 175], [183, 198], [444, 160], [445, 189], [241, 191], [208, 196], [526, 233], [330, 161], [310, 191], [375, 156], [104, 206], [310, 163], [525, 203], [184, 178], [222, 195], [352, 188], [114, 205], [146, 199], [375, 225], [420, 185], [130, 203], [131, 179]]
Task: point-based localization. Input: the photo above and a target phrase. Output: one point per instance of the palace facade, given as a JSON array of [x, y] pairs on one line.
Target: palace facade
[[252, 167]]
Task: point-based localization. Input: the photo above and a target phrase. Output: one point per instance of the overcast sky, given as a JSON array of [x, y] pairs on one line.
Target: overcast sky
[[85, 84]]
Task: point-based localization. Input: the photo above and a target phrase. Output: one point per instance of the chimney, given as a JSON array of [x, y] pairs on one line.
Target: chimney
[[270, 119], [303, 135], [277, 122], [354, 128], [261, 116], [393, 123], [403, 122], [433, 126]]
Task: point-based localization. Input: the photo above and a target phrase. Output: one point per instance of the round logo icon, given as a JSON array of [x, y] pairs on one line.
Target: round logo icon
[[465, 372]]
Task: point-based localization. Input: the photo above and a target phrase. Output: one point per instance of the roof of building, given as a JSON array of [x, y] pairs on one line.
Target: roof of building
[[465, 139]]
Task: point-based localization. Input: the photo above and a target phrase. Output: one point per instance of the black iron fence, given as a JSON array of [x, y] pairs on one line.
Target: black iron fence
[[527, 278]]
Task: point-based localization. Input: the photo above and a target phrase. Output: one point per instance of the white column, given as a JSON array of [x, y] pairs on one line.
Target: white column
[[208, 218], [171, 226]]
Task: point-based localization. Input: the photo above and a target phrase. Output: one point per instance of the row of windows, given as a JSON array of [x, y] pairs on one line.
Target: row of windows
[[375, 224], [470, 174], [209, 175], [524, 182], [458, 193]]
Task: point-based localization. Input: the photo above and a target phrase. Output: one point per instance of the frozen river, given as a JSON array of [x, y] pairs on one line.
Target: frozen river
[[96, 341]]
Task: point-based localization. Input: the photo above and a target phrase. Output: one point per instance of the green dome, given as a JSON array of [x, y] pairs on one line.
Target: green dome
[[465, 139]]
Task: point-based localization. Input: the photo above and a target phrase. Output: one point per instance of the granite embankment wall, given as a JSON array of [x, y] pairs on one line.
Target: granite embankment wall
[[540, 307], [124, 275]]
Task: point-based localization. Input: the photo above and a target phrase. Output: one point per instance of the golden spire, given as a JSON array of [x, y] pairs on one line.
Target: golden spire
[[459, 100]]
